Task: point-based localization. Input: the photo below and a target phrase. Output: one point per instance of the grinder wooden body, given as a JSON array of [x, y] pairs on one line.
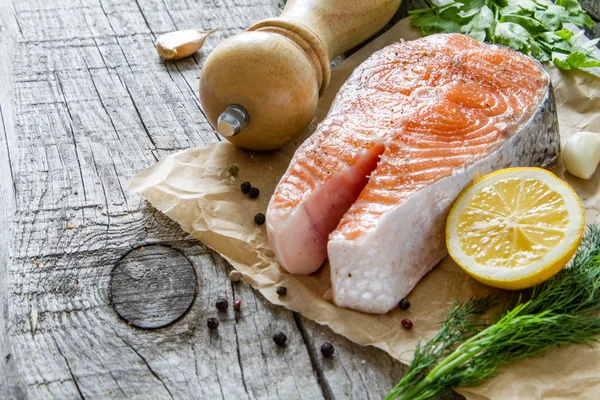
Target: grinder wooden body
[[260, 88]]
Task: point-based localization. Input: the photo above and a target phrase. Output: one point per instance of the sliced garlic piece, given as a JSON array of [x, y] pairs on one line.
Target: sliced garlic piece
[[179, 44], [581, 154]]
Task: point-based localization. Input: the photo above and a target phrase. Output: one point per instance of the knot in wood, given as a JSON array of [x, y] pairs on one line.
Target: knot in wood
[[153, 286]]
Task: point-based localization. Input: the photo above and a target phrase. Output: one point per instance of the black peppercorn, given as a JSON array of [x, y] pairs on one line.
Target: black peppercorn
[[280, 338], [327, 350], [281, 291], [407, 324], [237, 305], [222, 304], [212, 323], [246, 186], [253, 193], [404, 304], [259, 219]]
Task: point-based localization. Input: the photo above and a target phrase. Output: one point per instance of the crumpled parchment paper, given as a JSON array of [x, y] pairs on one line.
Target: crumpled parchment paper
[[194, 188]]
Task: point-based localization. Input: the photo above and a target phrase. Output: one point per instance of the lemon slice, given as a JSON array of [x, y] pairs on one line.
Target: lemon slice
[[515, 228]]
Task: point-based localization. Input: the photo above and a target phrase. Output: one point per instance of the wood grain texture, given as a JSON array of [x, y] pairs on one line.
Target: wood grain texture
[[85, 103], [90, 104], [593, 9], [153, 286], [11, 385]]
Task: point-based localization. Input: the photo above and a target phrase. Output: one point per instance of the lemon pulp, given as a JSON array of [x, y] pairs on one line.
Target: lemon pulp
[[515, 228]]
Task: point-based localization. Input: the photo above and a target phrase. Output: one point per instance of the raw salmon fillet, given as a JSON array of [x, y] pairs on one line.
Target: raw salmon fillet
[[412, 126]]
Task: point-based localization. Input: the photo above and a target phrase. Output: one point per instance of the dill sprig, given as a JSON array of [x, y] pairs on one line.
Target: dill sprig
[[461, 324], [560, 311]]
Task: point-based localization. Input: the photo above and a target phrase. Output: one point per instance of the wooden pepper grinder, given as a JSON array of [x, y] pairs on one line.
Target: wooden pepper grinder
[[260, 88]]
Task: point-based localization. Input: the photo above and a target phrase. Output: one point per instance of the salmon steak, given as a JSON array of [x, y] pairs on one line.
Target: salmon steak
[[414, 124]]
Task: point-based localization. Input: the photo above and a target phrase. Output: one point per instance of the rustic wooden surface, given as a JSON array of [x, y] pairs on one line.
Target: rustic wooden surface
[[151, 287], [85, 103]]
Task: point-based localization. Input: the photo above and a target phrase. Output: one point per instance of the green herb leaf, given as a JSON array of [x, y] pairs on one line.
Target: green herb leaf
[[582, 20], [514, 10], [575, 38], [572, 6], [565, 34], [577, 58], [534, 27], [550, 37], [472, 4], [580, 59], [531, 24], [512, 35], [538, 51], [552, 18], [563, 47], [542, 4], [525, 5], [481, 26], [560, 60], [438, 20]]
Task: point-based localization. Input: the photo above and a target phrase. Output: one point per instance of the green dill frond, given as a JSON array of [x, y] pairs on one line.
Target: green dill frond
[[461, 323], [561, 311], [577, 287]]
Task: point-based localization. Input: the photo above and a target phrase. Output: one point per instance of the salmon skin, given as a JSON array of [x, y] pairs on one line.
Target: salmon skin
[[412, 126]]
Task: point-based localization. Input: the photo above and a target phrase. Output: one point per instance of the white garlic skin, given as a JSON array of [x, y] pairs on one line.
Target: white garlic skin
[[581, 154], [179, 44]]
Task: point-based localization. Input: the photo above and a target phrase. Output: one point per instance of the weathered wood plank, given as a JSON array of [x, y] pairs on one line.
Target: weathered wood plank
[[151, 287], [11, 385], [84, 104], [593, 9], [93, 105], [354, 371]]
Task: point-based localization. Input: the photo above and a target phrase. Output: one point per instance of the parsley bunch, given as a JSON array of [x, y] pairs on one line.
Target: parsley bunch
[[534, 27]]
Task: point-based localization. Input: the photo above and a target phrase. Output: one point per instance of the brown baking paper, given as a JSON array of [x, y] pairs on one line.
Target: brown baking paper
[[194, 188]]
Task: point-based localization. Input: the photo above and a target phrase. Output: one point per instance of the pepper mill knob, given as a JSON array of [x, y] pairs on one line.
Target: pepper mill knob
[[270, 78], [260, 88], [232, 121]]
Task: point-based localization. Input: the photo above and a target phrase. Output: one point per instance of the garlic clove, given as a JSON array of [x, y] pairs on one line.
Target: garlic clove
[[179, 44], [581, 154]]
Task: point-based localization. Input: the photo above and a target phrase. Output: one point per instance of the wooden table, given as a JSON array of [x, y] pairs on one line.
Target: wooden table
[[85, 103]]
